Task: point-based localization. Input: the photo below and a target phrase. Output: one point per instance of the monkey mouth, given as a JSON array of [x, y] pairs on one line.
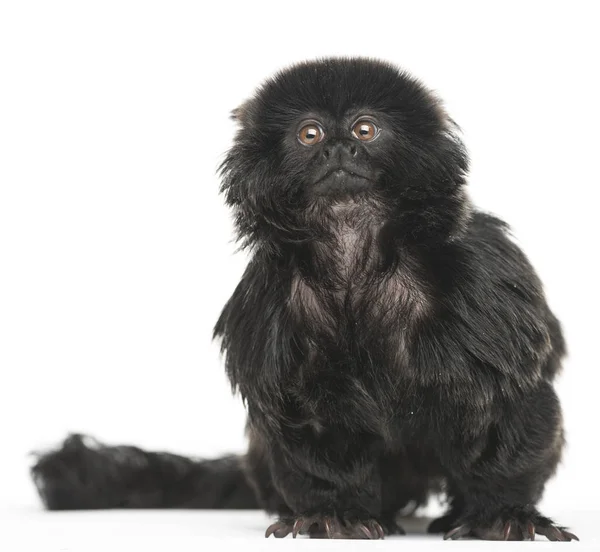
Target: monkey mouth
[[341, 181], [340, 173]]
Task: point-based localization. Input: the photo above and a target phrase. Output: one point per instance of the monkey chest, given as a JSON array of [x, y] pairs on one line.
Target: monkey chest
[[354, 346], [363, 310]]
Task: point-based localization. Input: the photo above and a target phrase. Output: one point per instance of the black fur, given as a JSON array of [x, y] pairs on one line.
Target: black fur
[[84, 474], [386, 336]]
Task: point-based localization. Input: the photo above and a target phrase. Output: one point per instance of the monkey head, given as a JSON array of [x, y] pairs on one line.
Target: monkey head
[[343, 130]]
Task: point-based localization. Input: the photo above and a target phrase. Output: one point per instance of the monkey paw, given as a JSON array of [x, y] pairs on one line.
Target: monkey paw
[[326, 526], [390, 525], [443, 524], [515, 524]]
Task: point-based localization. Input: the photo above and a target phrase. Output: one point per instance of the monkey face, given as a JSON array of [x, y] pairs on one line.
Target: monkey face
[[339, 154], [336, 129]]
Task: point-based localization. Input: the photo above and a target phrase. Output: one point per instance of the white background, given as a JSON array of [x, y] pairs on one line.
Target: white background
[[116, 252]]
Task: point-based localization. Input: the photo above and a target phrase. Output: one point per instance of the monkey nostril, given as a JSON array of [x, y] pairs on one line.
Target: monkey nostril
[[353, 150], [326, 153]]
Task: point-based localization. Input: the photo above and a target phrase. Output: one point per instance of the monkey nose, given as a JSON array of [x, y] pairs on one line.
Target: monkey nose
[[339, 151]]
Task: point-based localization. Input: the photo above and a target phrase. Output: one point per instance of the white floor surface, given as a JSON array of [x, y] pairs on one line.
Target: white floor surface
[[32, 529]]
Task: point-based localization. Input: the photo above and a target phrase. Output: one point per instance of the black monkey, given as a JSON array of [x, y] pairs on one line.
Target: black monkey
[[386, 337]]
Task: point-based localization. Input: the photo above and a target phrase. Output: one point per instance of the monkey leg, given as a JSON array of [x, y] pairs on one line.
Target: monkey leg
[[449, 520], [407, 480], [258, 474], [502, 485]]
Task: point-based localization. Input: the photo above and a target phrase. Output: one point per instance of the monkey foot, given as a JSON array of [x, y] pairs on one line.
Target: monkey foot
[[326, 526], [443, 524], [518, 526], [390, 525]]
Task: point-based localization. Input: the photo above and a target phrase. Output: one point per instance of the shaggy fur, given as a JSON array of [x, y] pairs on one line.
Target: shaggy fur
[[386, 337]]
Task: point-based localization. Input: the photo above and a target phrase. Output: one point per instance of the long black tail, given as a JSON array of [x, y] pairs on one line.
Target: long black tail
[[85, 474]]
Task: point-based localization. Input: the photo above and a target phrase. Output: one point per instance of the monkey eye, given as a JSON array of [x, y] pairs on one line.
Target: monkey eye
[[311, 133], [365, 130]]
